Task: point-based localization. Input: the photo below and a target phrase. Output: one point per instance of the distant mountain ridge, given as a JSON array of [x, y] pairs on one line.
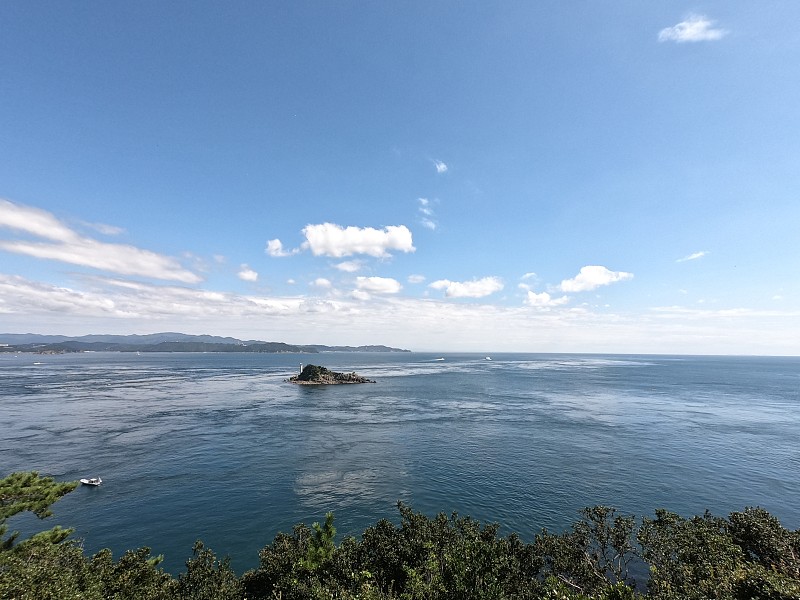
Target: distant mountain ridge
[[163, 342]]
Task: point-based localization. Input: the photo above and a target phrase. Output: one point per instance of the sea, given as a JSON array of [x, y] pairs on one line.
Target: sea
[[219, 447]]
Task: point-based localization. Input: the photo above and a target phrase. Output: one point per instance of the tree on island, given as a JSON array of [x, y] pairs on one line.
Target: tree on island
[[316, 375]]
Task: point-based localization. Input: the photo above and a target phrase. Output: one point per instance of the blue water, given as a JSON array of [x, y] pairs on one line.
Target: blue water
[[218, 447]]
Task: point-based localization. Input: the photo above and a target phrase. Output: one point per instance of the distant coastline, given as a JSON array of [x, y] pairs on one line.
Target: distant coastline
[[163, 342]]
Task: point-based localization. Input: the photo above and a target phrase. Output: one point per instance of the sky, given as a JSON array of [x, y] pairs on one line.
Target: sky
[[438, 176]]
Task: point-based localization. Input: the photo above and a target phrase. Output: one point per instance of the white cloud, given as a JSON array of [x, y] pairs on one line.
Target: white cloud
[[329, 239], [105, 229], [65, 245], [349, 266], [102, 304], [275, 248], [428, 224], [321, 282], [378, 285], [360, 295], [247, 274], [526, 277], [34, 221], [416, 278], [693, 256], [592, 277], [477, 288], [20, 295], [127, 301], [427, 218], [544, 300], [440, 166], [681, 312], [696, 28]]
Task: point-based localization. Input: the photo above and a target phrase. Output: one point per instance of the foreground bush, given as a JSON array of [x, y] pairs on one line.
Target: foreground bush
[[748, 555]]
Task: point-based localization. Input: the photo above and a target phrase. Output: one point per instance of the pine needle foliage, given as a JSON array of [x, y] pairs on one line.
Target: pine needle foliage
[[748, 555], [29, 491]]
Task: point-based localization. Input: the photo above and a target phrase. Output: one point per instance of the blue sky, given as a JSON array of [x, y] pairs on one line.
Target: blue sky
[[462, 176]]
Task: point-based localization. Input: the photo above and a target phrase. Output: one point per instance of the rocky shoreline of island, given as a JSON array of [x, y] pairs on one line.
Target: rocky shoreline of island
[[316, 375]]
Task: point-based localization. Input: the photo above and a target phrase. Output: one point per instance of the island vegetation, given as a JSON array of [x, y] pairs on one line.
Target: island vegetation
[[746, 555], [316, 375]]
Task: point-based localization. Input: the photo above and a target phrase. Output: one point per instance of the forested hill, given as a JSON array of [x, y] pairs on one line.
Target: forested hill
[[162, 342]]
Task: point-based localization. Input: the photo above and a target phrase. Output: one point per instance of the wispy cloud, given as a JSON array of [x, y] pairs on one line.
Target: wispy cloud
[[416, 278], [247, 274], [61, 243], [477, 288], [349, 266], [696, 28], [321, 282], [104, 229], [329, 239], [530, 276], [592, 277], [426, 211], [682, 312], [693, 256], [440, 166]]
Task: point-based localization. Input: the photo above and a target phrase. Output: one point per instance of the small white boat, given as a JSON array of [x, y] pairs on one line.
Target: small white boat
[[438, 359], [488, 358], [92, 481]]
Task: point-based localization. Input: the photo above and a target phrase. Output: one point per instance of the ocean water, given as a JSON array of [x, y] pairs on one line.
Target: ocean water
[[218, 447]]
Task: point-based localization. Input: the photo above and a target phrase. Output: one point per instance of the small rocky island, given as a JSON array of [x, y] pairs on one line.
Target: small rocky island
[[316, 375]]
